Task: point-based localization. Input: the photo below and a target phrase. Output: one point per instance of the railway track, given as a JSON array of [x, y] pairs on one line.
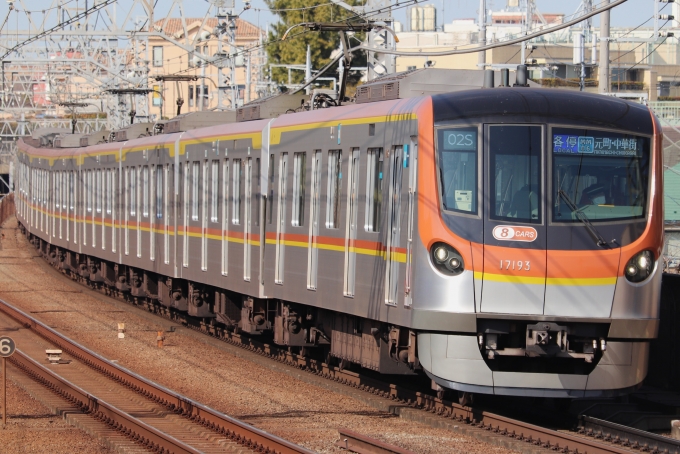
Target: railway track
[[151, 415], [588, 437]]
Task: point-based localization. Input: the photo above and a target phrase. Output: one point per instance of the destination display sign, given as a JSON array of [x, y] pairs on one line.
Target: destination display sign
[[460, 139], [597, 146]]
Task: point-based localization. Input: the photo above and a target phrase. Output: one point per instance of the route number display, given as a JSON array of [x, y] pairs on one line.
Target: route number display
[[7, 346]]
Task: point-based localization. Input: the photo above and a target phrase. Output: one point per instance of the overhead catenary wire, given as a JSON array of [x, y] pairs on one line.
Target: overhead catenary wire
[[527, 37]]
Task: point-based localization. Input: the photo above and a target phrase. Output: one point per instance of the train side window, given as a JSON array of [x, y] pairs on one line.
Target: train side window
[[333, 190], [299, 175], [458, 168], [160, 192], [258, 195], [133, 191], [90, 190], [374, 182], [270, 199], [99, 191], [195, 170], [145, 191], [109, 193], [236, 193], [71, 196], [214, 195]]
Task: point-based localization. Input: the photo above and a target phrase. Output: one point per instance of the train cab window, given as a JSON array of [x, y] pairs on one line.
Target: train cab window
[[214, 186], [298, 189], [515, 163], [236, 193], [145, 191], [458, 168], [133, 191], [374, 183], [195, 170], [601, 174], [333, 190]]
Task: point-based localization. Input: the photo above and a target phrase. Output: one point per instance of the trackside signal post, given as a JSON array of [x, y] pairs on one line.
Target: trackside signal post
[[7, 347]]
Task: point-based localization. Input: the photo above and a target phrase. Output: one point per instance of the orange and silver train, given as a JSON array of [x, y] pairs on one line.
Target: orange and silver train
[[502, 241]]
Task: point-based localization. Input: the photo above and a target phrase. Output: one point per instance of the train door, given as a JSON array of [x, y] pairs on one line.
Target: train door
[[513, 280], [247, 214], [314, 208], [393, 252], [351, 222]]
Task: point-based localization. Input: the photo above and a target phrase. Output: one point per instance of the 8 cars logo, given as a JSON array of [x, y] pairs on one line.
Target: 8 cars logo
[[514, 233]]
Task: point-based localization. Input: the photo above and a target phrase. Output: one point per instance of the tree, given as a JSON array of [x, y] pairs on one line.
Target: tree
[[294, 49]]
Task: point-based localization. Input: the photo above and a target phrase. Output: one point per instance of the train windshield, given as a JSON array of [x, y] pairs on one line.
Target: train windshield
[[604, 174], [458, 168]]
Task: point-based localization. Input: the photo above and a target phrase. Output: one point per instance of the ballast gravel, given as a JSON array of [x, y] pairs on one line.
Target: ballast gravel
[[300, 412], [32, 428]]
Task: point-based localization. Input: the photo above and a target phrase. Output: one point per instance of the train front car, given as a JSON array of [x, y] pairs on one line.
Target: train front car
[[540, 225]]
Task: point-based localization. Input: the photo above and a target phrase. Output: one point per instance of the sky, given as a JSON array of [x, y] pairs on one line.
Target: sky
[[630, 14]]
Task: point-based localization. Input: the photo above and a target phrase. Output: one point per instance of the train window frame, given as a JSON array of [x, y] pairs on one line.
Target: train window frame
[[550, 197], [478, 174], [333, 189], [195, 175], [160, 190], [270, 199], [492, 217], [132, 171], [375, 158], [99, 191], [109, 191], [215, 186], [236, 165], [145, 191], [299, 182]]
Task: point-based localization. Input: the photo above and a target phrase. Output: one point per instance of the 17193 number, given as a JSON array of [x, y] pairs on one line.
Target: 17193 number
[[519, 265]]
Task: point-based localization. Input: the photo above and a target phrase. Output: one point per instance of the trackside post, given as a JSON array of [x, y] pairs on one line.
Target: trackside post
[[7, 347]]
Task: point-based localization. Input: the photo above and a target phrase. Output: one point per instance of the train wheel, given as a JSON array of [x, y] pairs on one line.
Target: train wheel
[[465, 399]]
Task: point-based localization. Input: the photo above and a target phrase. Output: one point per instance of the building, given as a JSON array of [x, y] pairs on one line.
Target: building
[[168, 58]]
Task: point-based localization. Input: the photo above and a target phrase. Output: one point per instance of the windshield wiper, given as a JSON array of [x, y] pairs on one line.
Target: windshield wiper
[[583, 218]]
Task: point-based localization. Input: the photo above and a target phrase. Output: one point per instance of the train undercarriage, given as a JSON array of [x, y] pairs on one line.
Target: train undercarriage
[[327, 335]]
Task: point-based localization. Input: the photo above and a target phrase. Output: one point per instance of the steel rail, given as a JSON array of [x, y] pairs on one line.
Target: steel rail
[[239, 431], [140, 431], [548, 438], [404, 398], [361, 444], [627, 436]]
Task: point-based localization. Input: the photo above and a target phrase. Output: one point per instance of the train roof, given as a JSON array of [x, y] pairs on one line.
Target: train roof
[[594, 109]]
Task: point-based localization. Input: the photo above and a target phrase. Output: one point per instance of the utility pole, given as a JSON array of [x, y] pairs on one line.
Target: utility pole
[[527, 27], [481, 62], [308, 68], [603, 85], [579, 58]]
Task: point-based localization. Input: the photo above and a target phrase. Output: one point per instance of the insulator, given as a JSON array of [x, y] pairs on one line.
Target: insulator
[[666, 17]]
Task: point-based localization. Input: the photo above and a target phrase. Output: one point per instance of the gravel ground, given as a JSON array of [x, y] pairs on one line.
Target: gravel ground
[[31, 428], [297, 411]]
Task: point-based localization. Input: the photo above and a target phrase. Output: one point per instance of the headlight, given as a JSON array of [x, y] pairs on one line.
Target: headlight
[[640, 266], [446, 259]]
